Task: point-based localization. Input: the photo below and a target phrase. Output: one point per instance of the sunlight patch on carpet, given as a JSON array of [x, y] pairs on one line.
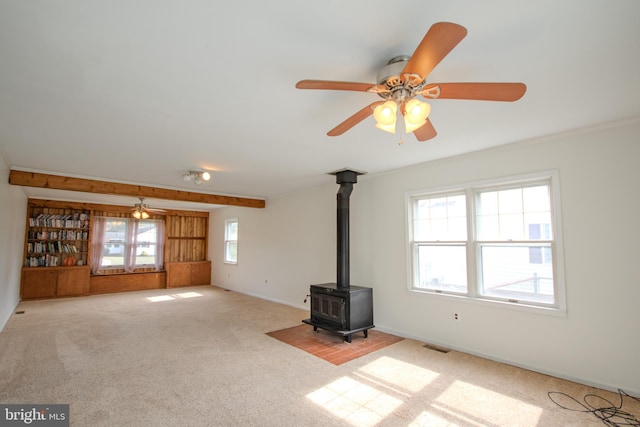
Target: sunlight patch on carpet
[[172, 297], [461, 396], [400, 374], [354, 402]]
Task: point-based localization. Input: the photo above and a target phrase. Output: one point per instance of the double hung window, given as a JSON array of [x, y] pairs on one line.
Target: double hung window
[[492, 241], [127, 243], [231, 241]]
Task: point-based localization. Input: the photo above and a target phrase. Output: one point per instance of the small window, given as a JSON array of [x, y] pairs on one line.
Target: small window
[[231, 241]]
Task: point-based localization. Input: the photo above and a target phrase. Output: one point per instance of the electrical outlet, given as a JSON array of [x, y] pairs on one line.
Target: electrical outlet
[[265, 282], [456, 316]]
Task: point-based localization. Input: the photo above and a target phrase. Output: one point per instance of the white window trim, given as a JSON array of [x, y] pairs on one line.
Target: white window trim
[[224, 253], [560, 307]]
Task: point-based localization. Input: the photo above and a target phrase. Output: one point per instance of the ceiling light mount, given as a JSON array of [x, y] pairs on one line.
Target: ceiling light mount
[[198, 176]]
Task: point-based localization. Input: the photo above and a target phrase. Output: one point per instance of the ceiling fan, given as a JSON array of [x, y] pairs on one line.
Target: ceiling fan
[[141, 210], [404, 78]]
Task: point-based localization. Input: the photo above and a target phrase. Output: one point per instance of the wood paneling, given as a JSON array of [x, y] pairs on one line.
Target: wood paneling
[[186, 238]]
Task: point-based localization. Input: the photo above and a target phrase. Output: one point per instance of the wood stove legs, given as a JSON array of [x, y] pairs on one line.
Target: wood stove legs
[[346, 335]]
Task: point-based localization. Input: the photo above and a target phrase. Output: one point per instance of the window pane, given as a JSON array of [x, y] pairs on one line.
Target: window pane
[[232, 230], [508, 214], [113, 252], [440, 219], [488, 203], [511, 227], [231, 252], [537, 199], [113, 255], [441, 268], [510, 201], [438, 207], [517, 272], [539, 224], [146, 243]]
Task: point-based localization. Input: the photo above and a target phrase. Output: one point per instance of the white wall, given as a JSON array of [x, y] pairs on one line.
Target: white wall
[[13, 211], [292, 244]]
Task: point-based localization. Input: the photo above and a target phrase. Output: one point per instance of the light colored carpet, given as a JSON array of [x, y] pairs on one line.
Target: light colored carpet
[[200, 357]]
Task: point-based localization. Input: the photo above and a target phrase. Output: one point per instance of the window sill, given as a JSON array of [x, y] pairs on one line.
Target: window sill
[[491, 303], [124, 273]]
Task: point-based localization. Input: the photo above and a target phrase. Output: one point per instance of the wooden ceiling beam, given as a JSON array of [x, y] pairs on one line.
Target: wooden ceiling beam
[[59, 182]]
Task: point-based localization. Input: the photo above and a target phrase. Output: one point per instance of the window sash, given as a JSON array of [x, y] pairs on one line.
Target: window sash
[[441, 270], [506, 273]]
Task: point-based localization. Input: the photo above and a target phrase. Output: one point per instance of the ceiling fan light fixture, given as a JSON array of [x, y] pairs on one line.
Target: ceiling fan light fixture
[[416, 113], [136, 214], [385, 116]]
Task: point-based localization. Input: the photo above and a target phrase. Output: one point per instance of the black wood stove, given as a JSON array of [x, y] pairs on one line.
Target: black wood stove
[[339, 307]]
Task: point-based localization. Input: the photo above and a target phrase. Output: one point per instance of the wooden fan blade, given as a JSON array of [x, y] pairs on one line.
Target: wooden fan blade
[[333, 85], [425, 132], [508, 92], [354, 120], [441, 38]]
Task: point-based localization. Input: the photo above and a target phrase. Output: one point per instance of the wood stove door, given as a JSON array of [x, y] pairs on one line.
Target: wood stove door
[[329, 308]]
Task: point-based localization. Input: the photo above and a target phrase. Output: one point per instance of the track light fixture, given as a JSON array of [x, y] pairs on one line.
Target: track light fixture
[[197, 176]]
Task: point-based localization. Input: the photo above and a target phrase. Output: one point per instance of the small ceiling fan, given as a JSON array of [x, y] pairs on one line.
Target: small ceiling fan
[[404, 78], [142, 210]]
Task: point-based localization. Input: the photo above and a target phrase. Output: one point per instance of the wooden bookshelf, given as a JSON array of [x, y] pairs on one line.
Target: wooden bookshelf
[[56, 250]]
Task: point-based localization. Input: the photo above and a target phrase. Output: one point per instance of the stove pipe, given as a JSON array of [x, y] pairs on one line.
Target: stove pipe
[[346, 179]]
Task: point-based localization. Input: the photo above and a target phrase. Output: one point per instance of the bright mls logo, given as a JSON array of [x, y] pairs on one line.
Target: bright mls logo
[[34, 415]]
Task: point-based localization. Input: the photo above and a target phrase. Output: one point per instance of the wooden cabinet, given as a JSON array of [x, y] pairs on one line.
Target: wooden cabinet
[[50, 282], [188, 273], [39, 283], [73, 281]]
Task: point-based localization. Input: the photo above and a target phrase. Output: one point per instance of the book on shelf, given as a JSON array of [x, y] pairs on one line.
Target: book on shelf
[[43, 261], [76, 220]]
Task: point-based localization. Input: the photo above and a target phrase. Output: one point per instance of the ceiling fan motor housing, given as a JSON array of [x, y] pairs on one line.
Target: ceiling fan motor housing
[[400, 87], [391, 71]]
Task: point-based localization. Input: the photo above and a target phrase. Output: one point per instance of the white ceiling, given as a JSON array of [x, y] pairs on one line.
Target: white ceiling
[[141, 91]]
